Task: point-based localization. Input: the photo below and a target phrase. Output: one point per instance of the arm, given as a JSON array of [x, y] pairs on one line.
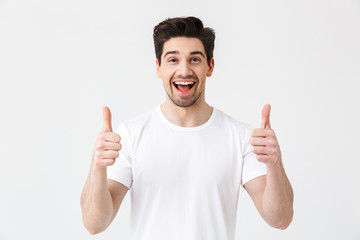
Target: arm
[[101, 198], [272, 194]]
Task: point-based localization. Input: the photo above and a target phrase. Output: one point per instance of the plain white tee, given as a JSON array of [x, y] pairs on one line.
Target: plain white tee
[[184, 181]]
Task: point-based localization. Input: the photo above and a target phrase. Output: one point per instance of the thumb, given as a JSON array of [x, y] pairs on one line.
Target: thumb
[[266, 117], [107, 119]]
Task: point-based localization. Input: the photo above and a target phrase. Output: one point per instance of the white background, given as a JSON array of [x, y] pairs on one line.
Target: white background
[[61, 61]]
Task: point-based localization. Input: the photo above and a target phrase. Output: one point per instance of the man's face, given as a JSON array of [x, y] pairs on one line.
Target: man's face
[[184, 70]]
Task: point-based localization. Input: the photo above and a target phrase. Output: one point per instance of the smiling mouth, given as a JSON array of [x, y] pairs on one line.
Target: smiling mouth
[[184, 86]]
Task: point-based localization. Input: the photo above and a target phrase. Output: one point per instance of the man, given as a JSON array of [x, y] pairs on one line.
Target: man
[[184, 160]]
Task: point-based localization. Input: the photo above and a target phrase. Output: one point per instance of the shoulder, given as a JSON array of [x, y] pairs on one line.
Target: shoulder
[[136, 123], [230, 122]]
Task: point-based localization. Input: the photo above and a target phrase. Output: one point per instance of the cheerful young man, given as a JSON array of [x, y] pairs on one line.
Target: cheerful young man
[[184, 161]]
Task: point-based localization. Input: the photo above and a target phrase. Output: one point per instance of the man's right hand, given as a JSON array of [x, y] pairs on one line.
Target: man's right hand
[[107, 145], [101, 198]]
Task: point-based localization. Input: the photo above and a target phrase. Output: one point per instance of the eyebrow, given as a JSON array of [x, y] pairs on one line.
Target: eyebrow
[[197, 52], [177, 52]]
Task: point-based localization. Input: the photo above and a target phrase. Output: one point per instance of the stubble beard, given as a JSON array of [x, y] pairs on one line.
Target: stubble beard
[[183, 101]]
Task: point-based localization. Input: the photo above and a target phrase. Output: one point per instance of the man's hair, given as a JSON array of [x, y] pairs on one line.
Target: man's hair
[[183, 27]]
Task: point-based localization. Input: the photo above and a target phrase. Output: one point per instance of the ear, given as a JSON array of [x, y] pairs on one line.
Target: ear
[[211, 68], [158, 72]]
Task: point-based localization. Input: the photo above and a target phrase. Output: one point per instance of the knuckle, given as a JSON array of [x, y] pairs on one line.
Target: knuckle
[[117, 146], [272, 142], [103, 162], [111, 154], [111, 162], [270, 151], [117, 137], [101, 135], [107, 135], [98, 154], [97, 162], [99, 144]]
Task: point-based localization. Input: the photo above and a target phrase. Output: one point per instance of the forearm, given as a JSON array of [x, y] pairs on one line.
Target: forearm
[[277, 204], [96, 202]]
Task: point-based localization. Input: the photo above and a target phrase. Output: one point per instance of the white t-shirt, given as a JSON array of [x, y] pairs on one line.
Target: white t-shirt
[[184, 181]]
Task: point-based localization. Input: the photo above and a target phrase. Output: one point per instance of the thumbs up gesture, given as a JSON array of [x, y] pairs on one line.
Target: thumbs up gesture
[[107, 145], [265, 144]]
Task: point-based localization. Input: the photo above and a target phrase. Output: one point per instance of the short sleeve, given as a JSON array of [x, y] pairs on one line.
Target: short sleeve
[[121, 171], [251, 167]]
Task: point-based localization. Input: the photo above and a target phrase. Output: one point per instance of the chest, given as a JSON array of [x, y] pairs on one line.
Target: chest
[[170, 160]]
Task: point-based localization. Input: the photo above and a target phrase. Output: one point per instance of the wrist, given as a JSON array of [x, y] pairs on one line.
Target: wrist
[[276, 167], [97, 170]]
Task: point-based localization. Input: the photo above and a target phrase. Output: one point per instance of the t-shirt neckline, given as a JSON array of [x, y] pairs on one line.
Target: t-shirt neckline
[[187, 129]]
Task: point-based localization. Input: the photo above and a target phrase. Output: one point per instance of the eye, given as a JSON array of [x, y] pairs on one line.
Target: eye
[[172, 60], [196, 59]]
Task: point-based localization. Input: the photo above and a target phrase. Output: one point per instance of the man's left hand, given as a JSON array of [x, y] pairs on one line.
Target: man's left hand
[[265, 144]]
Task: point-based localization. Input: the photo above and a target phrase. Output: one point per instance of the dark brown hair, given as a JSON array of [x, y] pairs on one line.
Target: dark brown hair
[[183, 27]]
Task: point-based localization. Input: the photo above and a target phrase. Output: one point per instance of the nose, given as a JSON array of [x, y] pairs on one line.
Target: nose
[[184, 69]]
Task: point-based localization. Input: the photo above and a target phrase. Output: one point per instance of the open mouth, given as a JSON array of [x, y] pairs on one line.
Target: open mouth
[[184, 86]]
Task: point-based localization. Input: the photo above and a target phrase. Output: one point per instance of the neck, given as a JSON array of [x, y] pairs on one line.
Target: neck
[[192, 116]]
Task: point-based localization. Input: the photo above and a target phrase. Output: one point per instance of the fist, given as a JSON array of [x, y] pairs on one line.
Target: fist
[[265, 144], [107, 145]]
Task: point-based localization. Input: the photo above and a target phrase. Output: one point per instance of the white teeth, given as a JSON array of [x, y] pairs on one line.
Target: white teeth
[[184, 83]]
